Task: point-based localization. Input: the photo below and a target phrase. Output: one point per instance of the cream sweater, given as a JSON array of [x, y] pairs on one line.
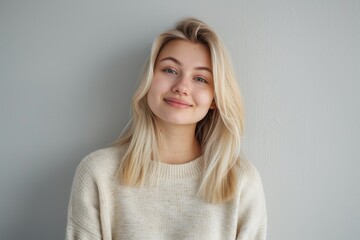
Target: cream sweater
[[101, 208]]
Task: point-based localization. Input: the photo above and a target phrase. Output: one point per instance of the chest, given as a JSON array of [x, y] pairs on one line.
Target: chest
[[170, 211]]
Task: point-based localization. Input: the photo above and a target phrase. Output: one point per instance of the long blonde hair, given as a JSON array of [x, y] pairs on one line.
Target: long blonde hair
[[219, 133]]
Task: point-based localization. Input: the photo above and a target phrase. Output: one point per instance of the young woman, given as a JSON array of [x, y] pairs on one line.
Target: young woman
[[176, 171]]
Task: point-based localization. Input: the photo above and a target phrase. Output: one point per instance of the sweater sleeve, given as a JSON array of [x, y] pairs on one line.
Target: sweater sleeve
[[252, 222], [83, 220]]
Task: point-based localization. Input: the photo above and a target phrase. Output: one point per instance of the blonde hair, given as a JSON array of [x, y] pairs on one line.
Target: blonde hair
[[219, 133]]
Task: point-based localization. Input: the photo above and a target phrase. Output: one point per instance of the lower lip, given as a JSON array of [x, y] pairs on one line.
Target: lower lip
[[177, 104]]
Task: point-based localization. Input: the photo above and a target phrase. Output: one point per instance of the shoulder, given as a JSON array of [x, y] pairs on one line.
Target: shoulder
[[247, 169], [252, 216], [100, 163], [91, 187], [249, 176]]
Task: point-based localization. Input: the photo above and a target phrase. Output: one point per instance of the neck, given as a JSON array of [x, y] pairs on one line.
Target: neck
[[178, 143]]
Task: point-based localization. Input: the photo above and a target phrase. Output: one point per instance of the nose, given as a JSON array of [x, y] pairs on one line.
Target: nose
[[181, 86]]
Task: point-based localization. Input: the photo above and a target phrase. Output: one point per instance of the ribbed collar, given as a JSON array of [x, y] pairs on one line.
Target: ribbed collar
[[178, 171]]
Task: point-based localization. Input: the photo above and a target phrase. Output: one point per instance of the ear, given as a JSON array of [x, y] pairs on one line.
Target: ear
[[213, 104]]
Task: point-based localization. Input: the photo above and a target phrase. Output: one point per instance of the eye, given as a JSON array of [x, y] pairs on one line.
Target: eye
[[201, 79], [169, 70]]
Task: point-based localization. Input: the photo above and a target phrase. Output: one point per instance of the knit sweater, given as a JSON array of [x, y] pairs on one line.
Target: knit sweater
[[101, 208]]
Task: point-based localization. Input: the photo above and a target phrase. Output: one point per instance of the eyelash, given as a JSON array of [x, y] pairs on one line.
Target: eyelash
[[169, 70], [200, 79], [172, 71]]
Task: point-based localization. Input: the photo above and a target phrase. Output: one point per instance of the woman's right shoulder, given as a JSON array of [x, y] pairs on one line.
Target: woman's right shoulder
[[102, 162]]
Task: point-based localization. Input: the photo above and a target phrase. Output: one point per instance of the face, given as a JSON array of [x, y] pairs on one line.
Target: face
[[182, 89]]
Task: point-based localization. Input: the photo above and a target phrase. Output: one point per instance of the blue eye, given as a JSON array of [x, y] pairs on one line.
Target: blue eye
[[169, 70], [200, 79]]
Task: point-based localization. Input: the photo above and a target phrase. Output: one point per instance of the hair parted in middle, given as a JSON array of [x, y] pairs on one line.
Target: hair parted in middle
[[219, 132]]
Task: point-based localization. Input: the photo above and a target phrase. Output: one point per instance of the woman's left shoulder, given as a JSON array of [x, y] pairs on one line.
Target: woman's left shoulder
[[248, 174], [252, 216]]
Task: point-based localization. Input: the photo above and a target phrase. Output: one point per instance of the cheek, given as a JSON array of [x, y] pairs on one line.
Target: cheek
[[205, 98], [156, 90], [158, 85], [151, 95]]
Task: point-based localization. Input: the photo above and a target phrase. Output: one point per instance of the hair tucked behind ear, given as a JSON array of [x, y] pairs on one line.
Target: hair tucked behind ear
[[219, 133]]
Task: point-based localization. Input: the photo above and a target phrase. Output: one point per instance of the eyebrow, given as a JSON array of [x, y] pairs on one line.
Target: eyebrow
[[180, 64]]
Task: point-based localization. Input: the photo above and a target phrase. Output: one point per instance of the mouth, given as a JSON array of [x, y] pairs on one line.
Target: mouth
[[177, 103]]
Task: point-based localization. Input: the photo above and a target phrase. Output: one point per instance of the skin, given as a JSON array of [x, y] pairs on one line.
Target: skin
[[180, 95]]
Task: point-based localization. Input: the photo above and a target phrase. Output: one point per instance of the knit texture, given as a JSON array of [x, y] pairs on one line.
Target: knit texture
[[101, 208]]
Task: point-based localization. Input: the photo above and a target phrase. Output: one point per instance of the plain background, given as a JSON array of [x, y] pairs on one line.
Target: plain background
[[68, 70]]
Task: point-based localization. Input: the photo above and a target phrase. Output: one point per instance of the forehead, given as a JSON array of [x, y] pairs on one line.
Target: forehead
[[187, 52]]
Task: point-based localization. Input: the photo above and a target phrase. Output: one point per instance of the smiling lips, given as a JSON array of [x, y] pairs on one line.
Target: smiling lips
[[177, 103]]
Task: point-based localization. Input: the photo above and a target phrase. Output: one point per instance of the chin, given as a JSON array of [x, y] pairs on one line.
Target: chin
[[177, 121]]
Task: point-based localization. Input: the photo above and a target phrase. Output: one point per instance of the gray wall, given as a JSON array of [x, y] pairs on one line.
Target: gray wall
[[68, 70]]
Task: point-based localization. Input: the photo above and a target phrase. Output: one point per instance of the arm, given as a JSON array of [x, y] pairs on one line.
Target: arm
[[252, 222], [83, 213]]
